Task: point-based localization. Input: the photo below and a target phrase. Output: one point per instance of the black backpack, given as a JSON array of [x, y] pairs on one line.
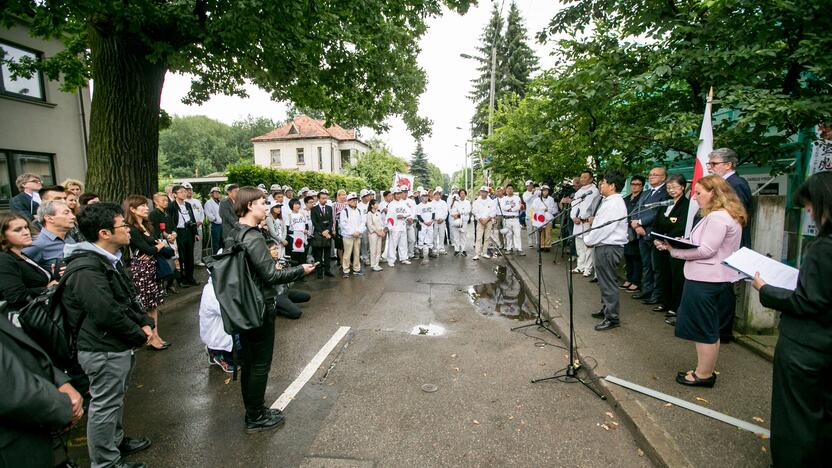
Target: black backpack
[[45, 320], [241, 303]]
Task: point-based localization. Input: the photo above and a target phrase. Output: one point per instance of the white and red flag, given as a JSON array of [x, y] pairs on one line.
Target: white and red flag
[[299, 242], [706, 145], [539, 218], [403, 181]]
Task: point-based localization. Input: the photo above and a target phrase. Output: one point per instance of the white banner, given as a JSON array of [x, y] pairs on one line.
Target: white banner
[[403, 181], [821, 161]]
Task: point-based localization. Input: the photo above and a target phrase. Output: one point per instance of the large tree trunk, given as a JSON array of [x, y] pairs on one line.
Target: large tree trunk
[[124, 117]]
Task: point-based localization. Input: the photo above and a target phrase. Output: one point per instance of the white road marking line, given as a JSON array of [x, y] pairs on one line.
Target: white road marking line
[[308, 371]]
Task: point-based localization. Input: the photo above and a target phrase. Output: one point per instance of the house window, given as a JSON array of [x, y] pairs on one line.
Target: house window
[[275, 156], [15, 163], [300, 157], [320, 158], [345, 158], [21, 86]]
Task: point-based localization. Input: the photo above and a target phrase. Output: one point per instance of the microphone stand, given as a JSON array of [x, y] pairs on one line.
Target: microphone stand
[[539, 322], [569, 373]]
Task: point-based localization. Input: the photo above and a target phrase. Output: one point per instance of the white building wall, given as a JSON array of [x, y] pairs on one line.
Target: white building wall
[[330, 148]]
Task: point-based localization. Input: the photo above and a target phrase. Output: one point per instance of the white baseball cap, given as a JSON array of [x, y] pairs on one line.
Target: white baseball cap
[[363, 193], [437, 189], [351, 196], [419, 188], [324, 191], [395, 190], [275, 187], [187, 185], [483, 189], [214, 189], [529, 182], [304, 189]]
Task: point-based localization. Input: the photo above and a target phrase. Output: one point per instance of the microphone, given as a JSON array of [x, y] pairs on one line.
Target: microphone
[[667, 202]]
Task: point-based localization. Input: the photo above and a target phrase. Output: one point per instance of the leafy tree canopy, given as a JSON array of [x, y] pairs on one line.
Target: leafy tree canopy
[[377, 166], [355, 61]]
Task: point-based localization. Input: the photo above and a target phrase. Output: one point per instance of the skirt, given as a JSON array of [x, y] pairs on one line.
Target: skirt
[[702, 310], [148, 287]]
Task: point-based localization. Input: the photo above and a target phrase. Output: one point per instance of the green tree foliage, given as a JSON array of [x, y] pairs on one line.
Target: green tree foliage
[[377, 166], [515, 62], [419, 166], [244, 174], [197, 145], [634, 87], [353, 61]]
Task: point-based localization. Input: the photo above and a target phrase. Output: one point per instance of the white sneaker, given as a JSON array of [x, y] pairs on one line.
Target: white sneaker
[[486, 256], [391, 265], [475, 257], [577, 271], [406, 262], [377, 268]]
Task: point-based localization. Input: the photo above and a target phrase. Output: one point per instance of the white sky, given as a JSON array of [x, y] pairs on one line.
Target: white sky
[[445, 101]]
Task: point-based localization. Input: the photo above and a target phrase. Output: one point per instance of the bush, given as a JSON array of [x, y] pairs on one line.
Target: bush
[[245, 174]]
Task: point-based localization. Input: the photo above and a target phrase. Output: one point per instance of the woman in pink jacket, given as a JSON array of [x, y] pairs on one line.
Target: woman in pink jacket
[[708, 292]]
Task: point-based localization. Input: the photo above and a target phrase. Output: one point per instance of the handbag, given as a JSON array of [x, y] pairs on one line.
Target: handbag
[[241, 302]]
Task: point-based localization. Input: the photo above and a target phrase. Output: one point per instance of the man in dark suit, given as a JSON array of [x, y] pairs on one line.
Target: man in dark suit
[[229, 218], [642, 223], [37, 399], [723, 162], [323, 223], [26, 202], [182, 214]]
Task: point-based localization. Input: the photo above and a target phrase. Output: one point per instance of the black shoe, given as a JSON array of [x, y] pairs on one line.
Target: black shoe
[[659, 309], [456, 254], [598, 315], [130, 445], [594, 280], [641, 296], [670, 321], [329, 274], [184, 285], [725, 339], [464, 253], [265, 421], [607, 325], [127, 464], [697, 382], [650, 301], [358, 273]]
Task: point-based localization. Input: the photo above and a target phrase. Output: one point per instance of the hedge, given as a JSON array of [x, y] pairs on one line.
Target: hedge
[[246, 174]]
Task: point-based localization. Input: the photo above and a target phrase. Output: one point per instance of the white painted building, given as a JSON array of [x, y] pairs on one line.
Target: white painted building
[[305, 144]]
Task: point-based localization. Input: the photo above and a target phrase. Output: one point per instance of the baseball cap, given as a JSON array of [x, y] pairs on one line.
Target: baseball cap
[[229, 187], [363, 193], [529, 182], [214, 189], [437, 189], [286, 188], [187, 185], [396, 190], [419, 188], [275, 187], [260, 186], [351, 196], [304, 189], [544, 186], [324, 191], [483, 189]]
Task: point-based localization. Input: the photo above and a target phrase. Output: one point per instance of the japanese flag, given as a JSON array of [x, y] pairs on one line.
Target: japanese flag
[[539, 219], [299, 243], [391, 221], [706, 145]]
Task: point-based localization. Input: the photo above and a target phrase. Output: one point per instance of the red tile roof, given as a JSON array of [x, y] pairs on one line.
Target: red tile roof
[[306, 127]]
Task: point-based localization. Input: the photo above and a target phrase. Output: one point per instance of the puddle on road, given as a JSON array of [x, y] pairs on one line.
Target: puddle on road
[[431, 329], [502, 298]]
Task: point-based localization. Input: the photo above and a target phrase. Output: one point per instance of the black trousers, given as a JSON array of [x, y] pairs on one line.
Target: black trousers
[[321, 255], [185, 244], [286, 304], [672, 276], [256, 349], [801, 405]]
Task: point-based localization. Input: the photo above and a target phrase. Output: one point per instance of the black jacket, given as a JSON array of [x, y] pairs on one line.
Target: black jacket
[[31, 406], [648, 216], [141, 244], [673, 224], [263, 266], [19, 280], [158, 217], [229, 218], [807, 311], [104, 296], [632, 245], [743, 191], [24, 205], [174, 214], [322, 221]]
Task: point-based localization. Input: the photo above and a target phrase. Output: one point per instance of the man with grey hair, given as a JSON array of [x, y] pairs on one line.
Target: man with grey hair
[[57, 220], [27, 201], [723, 162]]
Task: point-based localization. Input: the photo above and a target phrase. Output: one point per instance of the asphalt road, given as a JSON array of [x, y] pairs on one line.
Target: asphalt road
[[365, 405]]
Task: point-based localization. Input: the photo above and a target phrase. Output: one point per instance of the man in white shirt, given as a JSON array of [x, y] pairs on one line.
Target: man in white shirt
[[484, 210], [427, 219], [212, 212], [199, 215], [529, 196], [352, 224], [363, 200], [440, 227], [400, 213], [580, 213], [408, 199], [608, 239], [510, 206]]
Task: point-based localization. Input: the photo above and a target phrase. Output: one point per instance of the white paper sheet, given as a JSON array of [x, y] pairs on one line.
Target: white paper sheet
[[749, 262]]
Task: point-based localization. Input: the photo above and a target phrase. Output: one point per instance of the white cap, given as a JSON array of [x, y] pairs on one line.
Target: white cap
[[529, 182], [304, 189], [260, 186], [423, 193], [187, 185], [311, 193], [363, 193], [287, 188], [324, 191], [419, 188], [438, 189], [214, 189], [275, 187], [395, 190], [351, 196], [230, 187], [483, 188], [372, 192], [544, 186]]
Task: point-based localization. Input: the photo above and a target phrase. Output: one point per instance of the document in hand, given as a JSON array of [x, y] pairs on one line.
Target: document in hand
[[749, 262], [675, 243]]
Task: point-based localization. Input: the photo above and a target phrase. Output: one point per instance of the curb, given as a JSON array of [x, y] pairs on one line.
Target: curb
[[657, 444]]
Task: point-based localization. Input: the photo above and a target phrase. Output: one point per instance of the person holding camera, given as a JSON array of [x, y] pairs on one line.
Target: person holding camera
[[257, 345], [182, 213]]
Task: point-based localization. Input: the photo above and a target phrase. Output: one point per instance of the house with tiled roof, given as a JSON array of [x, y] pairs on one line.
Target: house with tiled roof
[[307, 144]]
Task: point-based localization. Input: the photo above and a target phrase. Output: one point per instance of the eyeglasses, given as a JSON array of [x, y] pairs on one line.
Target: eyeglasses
[[120, 226], [36, 181], [714, 163]]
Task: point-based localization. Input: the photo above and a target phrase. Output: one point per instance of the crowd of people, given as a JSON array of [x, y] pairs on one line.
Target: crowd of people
[[114, 265]]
